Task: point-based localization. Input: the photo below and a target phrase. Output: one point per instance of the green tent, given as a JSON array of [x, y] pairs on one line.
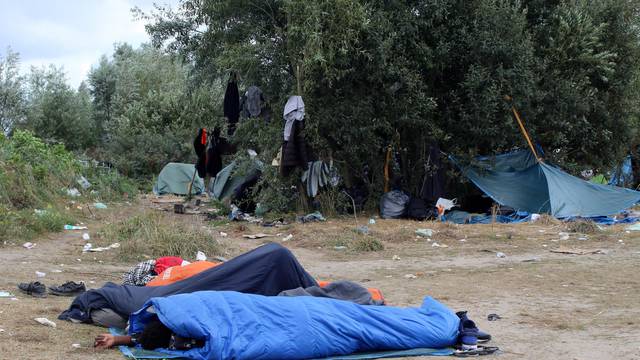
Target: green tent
[[228, 181], [175, 179]]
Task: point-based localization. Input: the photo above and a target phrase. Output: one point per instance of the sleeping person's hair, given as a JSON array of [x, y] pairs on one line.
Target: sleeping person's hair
[[155, 335]]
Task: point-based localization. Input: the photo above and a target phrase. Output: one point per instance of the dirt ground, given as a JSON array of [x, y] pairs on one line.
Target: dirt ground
[[552, 305]]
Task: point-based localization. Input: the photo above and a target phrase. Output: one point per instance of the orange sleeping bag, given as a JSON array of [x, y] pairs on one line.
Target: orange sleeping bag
[[177, 273]]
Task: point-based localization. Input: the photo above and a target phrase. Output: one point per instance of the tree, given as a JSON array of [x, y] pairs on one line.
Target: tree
[[56, 112], [12, 94]]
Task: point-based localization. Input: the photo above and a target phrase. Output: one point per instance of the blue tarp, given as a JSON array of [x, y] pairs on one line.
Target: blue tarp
[[527, 185], [246, 326], [622, 175]]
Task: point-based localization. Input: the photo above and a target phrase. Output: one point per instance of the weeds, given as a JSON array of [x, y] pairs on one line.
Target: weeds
[[582, 227], [367, 243], [154, 235]]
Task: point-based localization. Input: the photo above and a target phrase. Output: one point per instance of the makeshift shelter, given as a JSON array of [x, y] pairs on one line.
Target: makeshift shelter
[[175, 178], [518, 180], [229, 183]]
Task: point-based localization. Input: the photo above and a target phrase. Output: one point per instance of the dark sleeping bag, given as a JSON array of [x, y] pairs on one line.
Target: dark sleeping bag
[[245, 326], [267, 270]]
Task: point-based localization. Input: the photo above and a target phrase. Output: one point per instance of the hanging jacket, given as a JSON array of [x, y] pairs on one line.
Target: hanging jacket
[[232, 105], [200, 147], [294, 151]]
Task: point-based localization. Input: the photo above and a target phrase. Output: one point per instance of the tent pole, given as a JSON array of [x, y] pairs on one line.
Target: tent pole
[[523, 129]]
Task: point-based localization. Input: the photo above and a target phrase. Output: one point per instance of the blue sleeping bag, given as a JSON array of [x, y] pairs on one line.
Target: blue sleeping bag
[[246, 326]]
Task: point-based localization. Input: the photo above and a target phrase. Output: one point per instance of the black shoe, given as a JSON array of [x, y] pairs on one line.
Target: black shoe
[[68, 289], [34, 288]]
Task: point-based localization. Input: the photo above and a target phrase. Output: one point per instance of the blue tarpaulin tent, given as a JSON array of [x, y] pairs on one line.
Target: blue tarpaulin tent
[[517, 180]]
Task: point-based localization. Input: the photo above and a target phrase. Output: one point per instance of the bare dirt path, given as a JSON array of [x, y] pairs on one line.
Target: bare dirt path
[[555, 306]]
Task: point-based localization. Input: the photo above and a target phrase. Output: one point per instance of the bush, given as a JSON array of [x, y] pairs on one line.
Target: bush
[[153, 234]]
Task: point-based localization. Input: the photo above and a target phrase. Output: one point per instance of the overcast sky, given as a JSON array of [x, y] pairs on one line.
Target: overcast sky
[[71, 33]]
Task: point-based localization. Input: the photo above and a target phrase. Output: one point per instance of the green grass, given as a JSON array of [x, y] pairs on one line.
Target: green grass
[[35, 176], [153, 234]]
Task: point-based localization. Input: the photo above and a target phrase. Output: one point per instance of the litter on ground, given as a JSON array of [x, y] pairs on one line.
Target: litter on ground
[[256, 236], [28, 245], [566, 250], [45, 322]]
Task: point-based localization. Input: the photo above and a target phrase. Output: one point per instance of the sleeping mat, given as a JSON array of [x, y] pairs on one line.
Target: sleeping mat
[[246, 326]]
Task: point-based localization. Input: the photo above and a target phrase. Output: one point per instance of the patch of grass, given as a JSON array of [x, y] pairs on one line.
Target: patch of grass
[[25, 224], [366, 243], [152, 234], [582, 227], [546, 219]]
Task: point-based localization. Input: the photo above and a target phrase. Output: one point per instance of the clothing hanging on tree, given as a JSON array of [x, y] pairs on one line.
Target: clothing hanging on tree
[[433, 184], [232, 105], [294, 147], [200, 146]]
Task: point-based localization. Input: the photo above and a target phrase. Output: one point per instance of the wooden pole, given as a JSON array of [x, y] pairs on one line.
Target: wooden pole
[[523, 130]]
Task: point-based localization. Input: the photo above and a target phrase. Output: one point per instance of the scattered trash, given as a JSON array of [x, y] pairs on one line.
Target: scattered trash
[[287, 238], [86, 247], [396, 257], [565, 250], [100, 205], [45, 322], [444, 205], [86, 236], [493, 317], [73, 192], [424, 232], [501, 254], [256, 236], [315, 216], [410, 276], [75, 227], [535, 217], [200, 256], [57, 271], [634, 227], [252, 153], [40, 274], [28, 245], [223, 234], [76, 346], [82, 181], [39, 212], [101, 249], [5, 294], [533, 259], [563, 236], [364, 230], [340, 247], [372, 221], [178, 208], [435, 244], [583, 238]]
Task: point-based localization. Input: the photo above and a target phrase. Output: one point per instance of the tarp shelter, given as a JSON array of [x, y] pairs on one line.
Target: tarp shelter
[[229, 183], [517, 180], [175, 179]]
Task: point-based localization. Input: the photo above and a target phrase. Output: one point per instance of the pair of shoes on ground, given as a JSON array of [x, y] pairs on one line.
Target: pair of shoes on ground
[[38, 289], [469, 334]]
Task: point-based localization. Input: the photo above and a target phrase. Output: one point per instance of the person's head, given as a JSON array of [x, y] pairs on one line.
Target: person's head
[[155, 335]]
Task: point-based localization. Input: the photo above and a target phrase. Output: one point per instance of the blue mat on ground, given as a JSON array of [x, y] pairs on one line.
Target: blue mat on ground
[[137, 353], [246, 326]]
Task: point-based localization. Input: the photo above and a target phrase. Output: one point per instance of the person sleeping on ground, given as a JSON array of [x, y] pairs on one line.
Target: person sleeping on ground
[[233, 325], [269, 270]]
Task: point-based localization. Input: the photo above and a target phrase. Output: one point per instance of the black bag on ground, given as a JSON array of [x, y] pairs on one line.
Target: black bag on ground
[[418, 209], [393, 205]]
